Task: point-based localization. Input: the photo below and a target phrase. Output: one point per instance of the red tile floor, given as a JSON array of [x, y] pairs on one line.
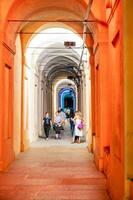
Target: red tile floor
[[53, 170]]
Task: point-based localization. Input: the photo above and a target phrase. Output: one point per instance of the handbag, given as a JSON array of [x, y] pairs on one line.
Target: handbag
[[61, 128], [57, 127], [80, 126]]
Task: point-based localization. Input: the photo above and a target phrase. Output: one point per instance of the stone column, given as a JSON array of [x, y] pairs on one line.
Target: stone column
[[128, 77], [6, 103]]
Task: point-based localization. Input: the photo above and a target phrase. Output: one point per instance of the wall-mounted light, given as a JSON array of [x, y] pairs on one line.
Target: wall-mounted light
[[69, 44]]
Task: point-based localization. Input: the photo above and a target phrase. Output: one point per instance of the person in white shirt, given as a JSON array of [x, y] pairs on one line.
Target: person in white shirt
[[63, 116], [57, 125], [79, 126]]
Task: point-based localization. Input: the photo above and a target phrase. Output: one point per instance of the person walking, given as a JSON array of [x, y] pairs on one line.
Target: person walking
[[72, 124], [63, 116], [67, 111], [58, 125], [47, 124], [78, 132]]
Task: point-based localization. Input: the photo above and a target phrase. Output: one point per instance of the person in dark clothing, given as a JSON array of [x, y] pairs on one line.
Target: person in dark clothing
[[47, 124], [72, 124]]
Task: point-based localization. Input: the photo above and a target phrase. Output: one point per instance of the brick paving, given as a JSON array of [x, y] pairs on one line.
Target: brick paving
[[53, 170]]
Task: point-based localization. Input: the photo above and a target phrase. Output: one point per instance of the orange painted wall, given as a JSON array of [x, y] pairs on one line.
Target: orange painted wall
[[109, 95], [117, 135], [7, 91], [107, 82], [128, 91], [1, 108], [131, 190]]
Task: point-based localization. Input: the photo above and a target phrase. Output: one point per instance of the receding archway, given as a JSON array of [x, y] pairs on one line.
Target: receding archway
[[45, 58], [67, 98]]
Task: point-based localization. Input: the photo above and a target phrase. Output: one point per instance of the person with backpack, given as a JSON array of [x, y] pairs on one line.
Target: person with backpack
[[47, 124]]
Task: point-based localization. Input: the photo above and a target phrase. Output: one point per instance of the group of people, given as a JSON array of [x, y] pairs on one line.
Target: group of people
[[76, 124]]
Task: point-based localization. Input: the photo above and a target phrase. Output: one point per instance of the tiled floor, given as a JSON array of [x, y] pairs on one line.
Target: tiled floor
[[53, 170]]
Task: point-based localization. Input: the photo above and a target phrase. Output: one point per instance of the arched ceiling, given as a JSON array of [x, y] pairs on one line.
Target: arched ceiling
[[36, 6], [23, 13], [64, 83], [49, 56], [60, 62], [43, 10], [57, 50], [42, 56]]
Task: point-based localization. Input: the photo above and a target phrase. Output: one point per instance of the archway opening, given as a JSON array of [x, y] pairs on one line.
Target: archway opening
[[68, 102], [53, 62], [67, 99]]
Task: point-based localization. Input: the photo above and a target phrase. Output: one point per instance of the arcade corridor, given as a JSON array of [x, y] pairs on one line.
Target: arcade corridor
[[75, 55]]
